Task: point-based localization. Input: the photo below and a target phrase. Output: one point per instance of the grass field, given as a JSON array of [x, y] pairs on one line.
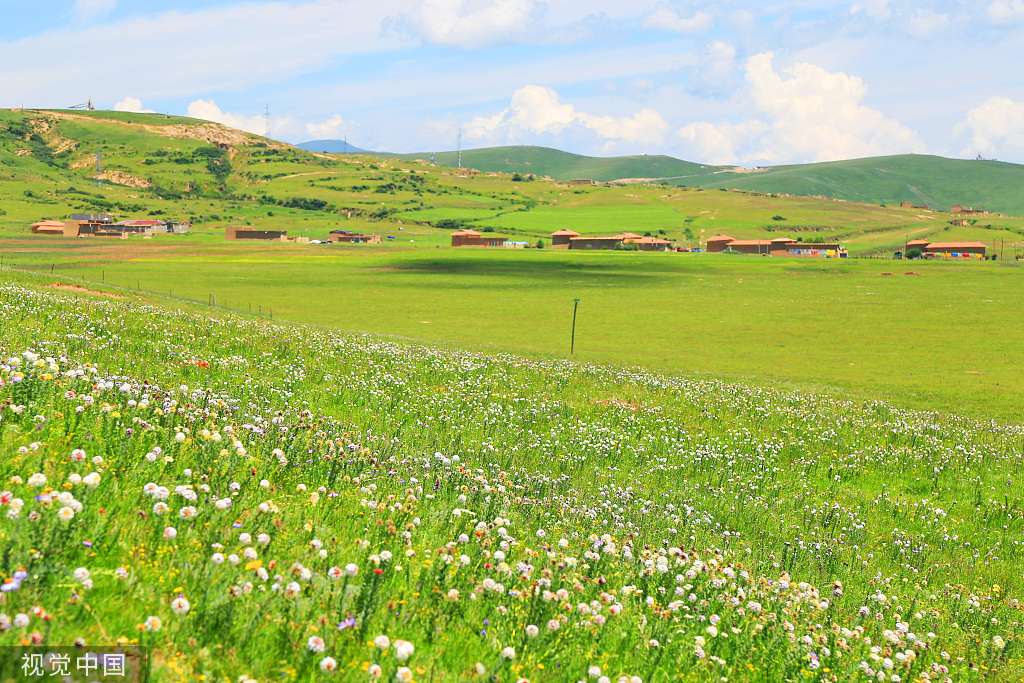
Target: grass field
[[935, 336], [258, 501], [307, 463]]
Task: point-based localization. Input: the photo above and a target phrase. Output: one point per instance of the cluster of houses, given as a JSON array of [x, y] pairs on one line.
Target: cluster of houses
[[780, 246], [246, 233], [563, 239], [103, 225], [947, 250]]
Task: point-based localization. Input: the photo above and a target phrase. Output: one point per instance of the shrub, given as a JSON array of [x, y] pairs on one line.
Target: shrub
[[914, 253], [777, 217], [448, 224]]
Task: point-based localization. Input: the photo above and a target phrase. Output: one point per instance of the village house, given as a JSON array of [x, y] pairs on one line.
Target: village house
[[560, 238], [568, 239], [350, 237], [48, 228], [966, 210], [780, 246], [946, 250], [246, 233], [472, 238]]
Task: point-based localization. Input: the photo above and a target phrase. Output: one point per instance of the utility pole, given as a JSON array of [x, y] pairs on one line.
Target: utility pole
[[458, 164], [572, 343]]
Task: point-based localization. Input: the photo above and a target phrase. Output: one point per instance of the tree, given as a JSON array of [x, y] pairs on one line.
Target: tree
[[540, 244]]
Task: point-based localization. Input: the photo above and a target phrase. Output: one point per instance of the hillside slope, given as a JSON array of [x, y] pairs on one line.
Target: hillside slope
[[920, 179], [544, 161]]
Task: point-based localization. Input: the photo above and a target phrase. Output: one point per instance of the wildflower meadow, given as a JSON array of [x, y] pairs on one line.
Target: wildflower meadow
[[254, 501]]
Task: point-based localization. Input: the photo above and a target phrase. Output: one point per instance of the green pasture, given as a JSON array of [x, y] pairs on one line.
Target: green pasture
[[928, 335], [262, 501]]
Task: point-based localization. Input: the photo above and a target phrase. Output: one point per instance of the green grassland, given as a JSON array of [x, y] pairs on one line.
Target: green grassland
[[920, 179], [928, 335], [934, 181], [264, 501]]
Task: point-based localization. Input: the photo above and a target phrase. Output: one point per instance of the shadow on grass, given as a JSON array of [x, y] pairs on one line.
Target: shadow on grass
[[514, 267]]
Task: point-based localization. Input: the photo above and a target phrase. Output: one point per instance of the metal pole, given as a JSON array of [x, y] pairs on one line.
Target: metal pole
[[572, 343]]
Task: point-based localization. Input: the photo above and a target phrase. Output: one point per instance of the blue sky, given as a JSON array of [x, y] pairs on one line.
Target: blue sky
[[733, 81]]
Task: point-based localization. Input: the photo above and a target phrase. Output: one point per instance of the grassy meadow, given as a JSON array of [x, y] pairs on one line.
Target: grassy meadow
[[928, 335], [288, 462], [258, 501]]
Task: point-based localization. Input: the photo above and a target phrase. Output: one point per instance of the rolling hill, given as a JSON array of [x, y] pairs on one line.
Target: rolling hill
[[544, 161], [919, 179]]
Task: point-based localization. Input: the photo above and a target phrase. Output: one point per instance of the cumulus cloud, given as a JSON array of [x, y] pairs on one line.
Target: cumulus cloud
[[209, 111], [715, 71], [1005, 11], [719, 143], [664, 18], [90, 9], [996, 125], [287, 128], [328, 130], [804, 113], [925, 23], [876, 9], [536, 110], [471, 23], [132, 104], [234, 45]]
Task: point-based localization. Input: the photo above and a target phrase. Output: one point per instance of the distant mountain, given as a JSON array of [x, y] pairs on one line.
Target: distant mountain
[[934, 181], [543, 161], [331, 147]]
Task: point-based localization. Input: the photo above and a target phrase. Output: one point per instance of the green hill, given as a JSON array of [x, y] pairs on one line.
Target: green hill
[[934, 181], [920, 179], [543, 161]]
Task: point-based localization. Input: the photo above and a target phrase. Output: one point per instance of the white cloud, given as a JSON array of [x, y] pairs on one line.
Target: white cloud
[[536, 110], [209, 50], [803, 114], [876, 9], [715, 71], [208, 111], [90, 9], [132, 104], [664, 18], [1005, 11], [925, 23], [471, 23], [719, 144], [287, 128], [996, 126], [332, 128]]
